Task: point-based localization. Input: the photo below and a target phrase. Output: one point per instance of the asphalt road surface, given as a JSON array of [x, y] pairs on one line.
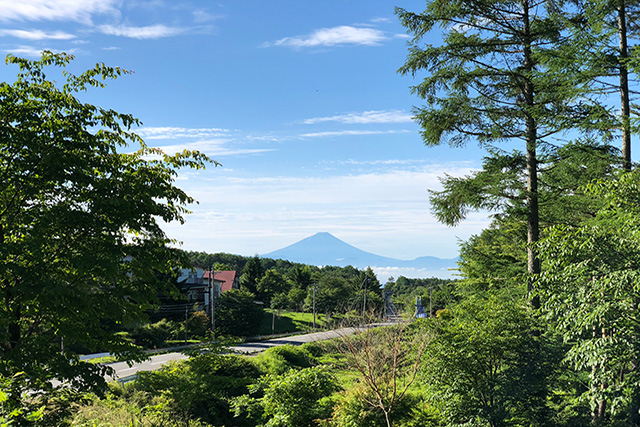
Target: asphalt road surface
[[123, 372]]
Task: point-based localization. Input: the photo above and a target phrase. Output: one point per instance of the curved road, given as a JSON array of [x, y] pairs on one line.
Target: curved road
[[124, 371]]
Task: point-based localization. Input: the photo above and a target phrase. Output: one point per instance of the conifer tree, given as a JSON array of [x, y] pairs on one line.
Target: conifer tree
[[487, 81], [600, 49]]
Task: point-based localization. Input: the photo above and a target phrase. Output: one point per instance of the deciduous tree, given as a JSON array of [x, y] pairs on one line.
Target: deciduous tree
[[81, 248]]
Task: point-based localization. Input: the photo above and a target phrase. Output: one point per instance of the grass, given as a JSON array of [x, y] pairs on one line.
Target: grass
[[289, 321]]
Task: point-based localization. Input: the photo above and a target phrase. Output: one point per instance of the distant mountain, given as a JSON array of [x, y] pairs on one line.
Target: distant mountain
[[326, 249]]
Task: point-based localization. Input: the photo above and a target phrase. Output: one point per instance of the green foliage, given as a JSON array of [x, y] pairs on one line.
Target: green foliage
[[352, 410], [485, 364], [132, 409], [251, 274], [199, 324], [334, 294], [280, 359], [153, 335], [272, 283], [294, 399], [20, 406], [202, 386], [590, 290], [79, 223], [237, 314]]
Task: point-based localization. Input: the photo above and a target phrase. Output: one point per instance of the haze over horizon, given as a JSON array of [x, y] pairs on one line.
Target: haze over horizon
[[300, 101]]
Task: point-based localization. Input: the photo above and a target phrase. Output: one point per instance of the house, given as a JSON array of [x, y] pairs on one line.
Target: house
[[228, 279], [195, 284]]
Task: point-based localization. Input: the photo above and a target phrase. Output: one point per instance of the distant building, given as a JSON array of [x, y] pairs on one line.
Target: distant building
[[228, 279], [194, 283]]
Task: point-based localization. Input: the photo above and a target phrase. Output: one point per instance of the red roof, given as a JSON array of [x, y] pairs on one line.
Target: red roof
[[226, 278]]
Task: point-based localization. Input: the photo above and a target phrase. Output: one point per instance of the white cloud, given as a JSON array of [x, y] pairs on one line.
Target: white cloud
[[382, 20], [33, 52], [367, 117], [384, 273], [213, 148], [55, 10], [351, 133], [336, 36], [385, 212], [148, 32], [36, 34], [201, 16], [178, 132], [388, 162]]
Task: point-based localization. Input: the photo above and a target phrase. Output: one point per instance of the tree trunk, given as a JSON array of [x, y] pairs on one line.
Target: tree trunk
[[533, 218], [625, 110]]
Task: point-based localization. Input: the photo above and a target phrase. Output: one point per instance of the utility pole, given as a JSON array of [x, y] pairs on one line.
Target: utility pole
[[315, 289], [212, 298], [186, 322], [430, 304]]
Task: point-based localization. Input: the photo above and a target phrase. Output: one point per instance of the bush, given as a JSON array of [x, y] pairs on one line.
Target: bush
[[153, 335], [133, 408], [278, 360], [202, 385], [295, 399]]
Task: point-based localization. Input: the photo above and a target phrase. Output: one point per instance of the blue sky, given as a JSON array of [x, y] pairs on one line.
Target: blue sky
[[299, 100]]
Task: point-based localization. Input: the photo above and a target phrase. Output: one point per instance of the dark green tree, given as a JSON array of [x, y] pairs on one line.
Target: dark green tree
[[484, 367], [497, 255], [251, 274], [271, 284], [334, 294], [600, 48], [81, 248], [237, 313]]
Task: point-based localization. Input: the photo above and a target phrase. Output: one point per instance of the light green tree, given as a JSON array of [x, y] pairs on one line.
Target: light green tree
[[591, 290], [81, 248], [484, 367]]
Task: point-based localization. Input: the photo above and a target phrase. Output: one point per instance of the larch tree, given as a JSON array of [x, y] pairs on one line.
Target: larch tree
[[486, 81], [602, 51]]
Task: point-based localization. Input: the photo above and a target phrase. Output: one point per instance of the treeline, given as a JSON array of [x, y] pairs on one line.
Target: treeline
[[435, 293], [284, 284]]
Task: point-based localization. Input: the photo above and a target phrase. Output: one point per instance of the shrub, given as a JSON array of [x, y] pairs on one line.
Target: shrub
[[153, 335], [278, 360], [202, 385]]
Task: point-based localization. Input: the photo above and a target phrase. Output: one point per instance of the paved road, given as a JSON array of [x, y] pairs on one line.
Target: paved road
[[124, 371]]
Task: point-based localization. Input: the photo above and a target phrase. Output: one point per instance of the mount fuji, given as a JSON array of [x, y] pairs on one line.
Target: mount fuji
[[326, 249]]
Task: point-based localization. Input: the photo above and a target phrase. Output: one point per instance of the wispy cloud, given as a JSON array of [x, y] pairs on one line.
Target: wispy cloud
[[335, 36], [384, 212], [147, 32], [36, 34], [351, 133], [55, 10], [213, 148], [367, 117], [201, 16], [387, 162], [179, 132], [33, 52]]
